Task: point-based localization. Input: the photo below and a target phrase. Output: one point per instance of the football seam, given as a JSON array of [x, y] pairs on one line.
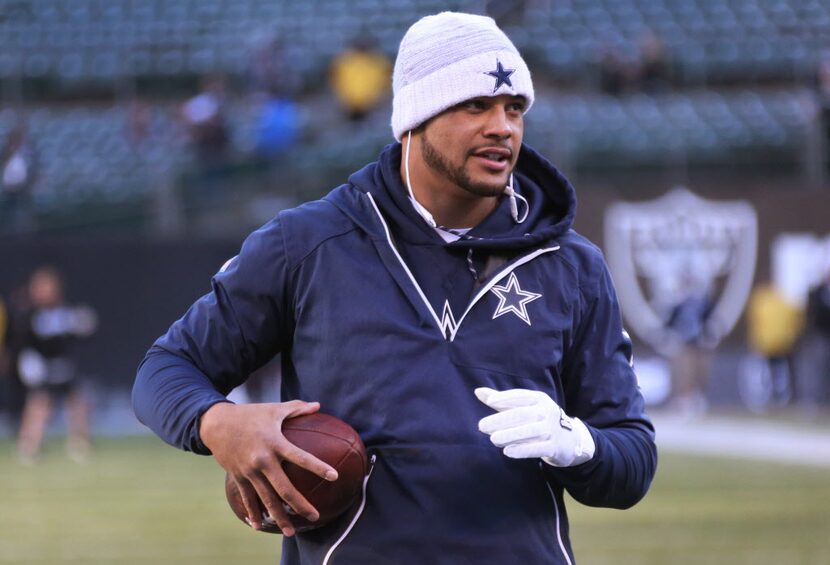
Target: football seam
[[321, 432], [352, 444], [337, 466]]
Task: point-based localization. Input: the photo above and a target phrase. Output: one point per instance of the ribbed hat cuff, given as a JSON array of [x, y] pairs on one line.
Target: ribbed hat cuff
[[423, 99]]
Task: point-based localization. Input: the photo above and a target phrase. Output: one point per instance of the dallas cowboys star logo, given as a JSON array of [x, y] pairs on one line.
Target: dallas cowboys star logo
[[513, 299], [501, 75]]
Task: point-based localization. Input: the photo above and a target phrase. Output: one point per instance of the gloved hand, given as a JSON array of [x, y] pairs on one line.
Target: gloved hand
[[530, 424]]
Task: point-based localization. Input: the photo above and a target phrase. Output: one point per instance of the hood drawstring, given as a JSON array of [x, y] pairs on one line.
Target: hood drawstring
[[424, 213], [514, 209]]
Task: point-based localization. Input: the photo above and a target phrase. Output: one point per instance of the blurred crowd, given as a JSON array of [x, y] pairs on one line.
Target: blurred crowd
[[274, 96], [787, 363], [285, 114], [788, 344]]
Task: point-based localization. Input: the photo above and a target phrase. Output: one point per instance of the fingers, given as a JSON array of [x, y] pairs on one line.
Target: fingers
[[528, 450], [251, 501], [252, 448], [281, 498], [299, 408], [509, 419], [275, 490], [271, 495], [530, 433], [290, 452], [483, 393], [506, 399], [521, 425]]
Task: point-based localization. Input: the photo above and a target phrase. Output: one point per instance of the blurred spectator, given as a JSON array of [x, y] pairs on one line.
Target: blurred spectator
[[270, 70], [205, 122], [18, 172], [4, 355], [692, 345], [361, 77], [139, 124], [139, 133], [773, 326], [653, 69], [813, 369], [4, 324], [12, 392], [823, 93], [46, 328], [274, 85], [613, 71], [278, 126]]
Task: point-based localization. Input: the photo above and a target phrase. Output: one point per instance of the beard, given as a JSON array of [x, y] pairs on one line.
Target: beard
[[456, 173]]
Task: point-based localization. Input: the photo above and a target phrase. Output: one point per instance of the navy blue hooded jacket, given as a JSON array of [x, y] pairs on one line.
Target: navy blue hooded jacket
[[382, 322]]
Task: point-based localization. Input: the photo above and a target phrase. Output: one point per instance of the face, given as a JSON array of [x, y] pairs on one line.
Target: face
[[45, 289], [475, 145]]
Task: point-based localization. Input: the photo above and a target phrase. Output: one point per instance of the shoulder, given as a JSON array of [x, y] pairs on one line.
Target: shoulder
[[310, 225], [290, 236], [583, 258]]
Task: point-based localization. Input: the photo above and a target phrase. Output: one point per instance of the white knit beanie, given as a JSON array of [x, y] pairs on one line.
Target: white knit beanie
[[451, 57]]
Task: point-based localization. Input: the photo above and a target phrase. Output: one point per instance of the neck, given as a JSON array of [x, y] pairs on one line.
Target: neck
[[450, 205]]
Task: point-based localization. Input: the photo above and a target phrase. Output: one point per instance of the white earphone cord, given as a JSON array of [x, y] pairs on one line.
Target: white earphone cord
[[424, 213]]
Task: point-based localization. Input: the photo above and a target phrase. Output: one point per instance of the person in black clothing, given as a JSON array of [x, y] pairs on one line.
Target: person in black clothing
[[813, 368], [46, 329], [4, 358]]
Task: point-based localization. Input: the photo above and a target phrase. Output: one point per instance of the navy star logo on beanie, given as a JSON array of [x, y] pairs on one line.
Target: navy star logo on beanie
[[501, 75]]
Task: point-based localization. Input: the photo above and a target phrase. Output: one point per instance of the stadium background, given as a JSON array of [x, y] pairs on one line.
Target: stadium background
[[138, 227]]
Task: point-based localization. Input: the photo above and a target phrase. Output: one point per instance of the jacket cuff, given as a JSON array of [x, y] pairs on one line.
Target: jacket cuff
[[196, 443]]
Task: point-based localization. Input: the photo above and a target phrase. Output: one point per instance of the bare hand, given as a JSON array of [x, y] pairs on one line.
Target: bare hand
[[247, 440]]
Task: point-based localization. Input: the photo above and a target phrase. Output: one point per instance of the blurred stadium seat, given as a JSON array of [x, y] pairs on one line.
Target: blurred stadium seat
[[741, 75], [710, 40]]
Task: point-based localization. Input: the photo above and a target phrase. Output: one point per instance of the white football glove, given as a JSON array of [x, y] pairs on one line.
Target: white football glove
[[530, 424]]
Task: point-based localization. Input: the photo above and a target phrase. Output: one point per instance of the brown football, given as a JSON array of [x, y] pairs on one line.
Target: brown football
[[331, 440]]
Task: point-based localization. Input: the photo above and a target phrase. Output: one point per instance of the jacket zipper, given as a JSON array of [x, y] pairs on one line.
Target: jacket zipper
[[558, 526], [357, 515]]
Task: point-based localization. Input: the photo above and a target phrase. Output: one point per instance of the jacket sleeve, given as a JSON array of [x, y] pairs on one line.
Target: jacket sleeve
[[224, 336], [601, 389]]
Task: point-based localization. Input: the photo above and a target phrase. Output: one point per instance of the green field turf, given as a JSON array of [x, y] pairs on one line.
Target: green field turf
[[138, 501]]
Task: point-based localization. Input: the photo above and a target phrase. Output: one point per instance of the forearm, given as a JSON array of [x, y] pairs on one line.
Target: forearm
[[170, 395], [620, 472]]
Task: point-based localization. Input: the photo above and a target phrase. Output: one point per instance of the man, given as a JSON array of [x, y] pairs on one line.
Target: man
[[441, 283]]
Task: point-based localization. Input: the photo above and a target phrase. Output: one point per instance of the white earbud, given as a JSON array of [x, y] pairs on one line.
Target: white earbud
[[424, 213]]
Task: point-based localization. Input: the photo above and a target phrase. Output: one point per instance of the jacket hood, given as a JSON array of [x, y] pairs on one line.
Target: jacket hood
[[551, 203]]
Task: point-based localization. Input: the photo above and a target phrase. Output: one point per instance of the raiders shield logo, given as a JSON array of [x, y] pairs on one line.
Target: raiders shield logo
[[661, 250]]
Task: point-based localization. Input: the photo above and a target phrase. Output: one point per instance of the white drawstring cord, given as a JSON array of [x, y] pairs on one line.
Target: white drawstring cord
[[418, 208], [424, 213], [514, 209]]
